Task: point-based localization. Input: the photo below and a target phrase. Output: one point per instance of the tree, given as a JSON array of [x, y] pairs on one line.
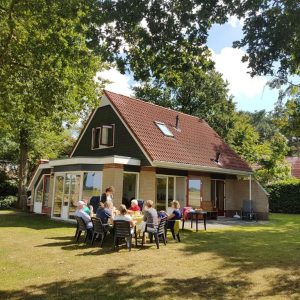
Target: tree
[[149, 38], [271, 36], [244, 139], [263, 123], [199, 93], [273, 166], [287, 117], [46, 71]]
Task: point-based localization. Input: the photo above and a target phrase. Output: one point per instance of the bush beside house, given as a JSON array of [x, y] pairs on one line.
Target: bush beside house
[[284, 196], [8, 191]]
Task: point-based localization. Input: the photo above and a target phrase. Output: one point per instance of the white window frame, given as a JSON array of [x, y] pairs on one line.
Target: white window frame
[[167, 187], [164, 129], [93, 138], [100, 145], [35, 190], [81, 173]]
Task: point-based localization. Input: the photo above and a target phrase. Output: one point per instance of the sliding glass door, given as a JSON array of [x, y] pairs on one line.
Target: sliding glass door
[[169, 188]]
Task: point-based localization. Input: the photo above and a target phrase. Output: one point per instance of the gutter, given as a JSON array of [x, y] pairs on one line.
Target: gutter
[[170, 165]]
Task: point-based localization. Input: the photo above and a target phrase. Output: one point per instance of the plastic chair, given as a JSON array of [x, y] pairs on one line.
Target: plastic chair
[[159, 231], [247, 211], [123, 230], [98, 230], [175, 233], [81, 227]]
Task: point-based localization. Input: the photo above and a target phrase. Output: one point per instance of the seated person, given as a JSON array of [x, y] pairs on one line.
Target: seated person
[[150, 215], [175, 215], [105, 212], [125, 216], [86, 207], [86, 218], [134, 206]]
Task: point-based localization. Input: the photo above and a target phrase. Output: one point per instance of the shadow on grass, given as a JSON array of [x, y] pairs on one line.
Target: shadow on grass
[[118, 284], [30, 220], [248, 249], [68, 243]]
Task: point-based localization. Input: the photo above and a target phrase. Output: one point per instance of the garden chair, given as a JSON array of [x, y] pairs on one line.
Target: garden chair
[[247, 212], [174, 228], [98, 230], [158, 231], [123, 230], [81, 227]]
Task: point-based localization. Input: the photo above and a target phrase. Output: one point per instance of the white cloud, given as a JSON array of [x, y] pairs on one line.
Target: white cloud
[[241, 84], [235, 22], [119, 82]]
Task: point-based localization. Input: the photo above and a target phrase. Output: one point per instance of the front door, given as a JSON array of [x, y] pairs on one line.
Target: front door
[[218, 196]]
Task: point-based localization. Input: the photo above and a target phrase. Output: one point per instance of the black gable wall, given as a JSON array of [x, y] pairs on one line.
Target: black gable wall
[[124, 144]]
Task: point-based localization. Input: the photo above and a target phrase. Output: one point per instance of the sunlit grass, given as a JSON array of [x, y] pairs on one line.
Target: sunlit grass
[[38, 258]]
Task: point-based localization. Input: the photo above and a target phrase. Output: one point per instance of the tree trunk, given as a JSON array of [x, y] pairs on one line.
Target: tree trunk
[[23, 170]]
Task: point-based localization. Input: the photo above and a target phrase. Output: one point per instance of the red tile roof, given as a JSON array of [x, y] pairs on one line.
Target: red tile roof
[[295, 166], [196, 143]]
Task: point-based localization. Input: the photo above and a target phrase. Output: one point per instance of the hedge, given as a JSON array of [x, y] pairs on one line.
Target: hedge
[[284, 196], [7, 186], [7, 202]]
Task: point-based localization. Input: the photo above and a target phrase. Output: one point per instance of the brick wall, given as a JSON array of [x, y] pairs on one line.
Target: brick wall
[[148, 183]]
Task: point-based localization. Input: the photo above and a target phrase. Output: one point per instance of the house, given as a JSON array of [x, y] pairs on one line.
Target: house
[[147, 152], [295, 165]]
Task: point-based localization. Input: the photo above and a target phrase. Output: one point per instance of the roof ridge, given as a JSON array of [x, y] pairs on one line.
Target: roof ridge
[[167, 108]]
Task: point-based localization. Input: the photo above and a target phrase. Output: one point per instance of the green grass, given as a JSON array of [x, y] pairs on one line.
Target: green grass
[[39, 260]]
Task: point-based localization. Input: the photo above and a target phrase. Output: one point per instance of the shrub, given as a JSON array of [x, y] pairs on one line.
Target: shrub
[[284, 196], [7, 202], [7, 186]]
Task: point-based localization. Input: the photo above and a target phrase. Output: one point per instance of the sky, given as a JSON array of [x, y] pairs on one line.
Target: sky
[[250, 94]]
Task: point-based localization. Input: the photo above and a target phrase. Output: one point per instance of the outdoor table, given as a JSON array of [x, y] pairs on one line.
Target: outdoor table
[[138, 219], [197, 213]]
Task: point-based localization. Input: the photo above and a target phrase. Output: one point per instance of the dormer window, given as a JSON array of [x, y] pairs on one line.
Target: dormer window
[[103, 137], [164, 129]]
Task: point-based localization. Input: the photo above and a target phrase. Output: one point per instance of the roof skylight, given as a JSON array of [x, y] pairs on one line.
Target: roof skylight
[[164, 129]]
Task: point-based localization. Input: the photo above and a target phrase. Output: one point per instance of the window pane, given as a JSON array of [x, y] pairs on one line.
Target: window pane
[[170, 190], [96, 138], [129, 188], [74, 193], [58, 195], [46, 190], [194, 192], [164, 129], [161, 188], [107, 135], [91, 185], [39, 192]]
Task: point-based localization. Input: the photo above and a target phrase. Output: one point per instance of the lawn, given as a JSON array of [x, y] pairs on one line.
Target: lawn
[[39, 260]]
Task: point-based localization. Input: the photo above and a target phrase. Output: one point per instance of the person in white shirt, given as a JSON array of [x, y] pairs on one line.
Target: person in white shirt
[[82, 214], [124, 216]]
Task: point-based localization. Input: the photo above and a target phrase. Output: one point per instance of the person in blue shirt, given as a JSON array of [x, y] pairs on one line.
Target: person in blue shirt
[[105, 212], [175, 215]]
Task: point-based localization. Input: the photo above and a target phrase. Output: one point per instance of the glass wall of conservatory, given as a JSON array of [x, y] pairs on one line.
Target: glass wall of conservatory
[[70, 187]]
